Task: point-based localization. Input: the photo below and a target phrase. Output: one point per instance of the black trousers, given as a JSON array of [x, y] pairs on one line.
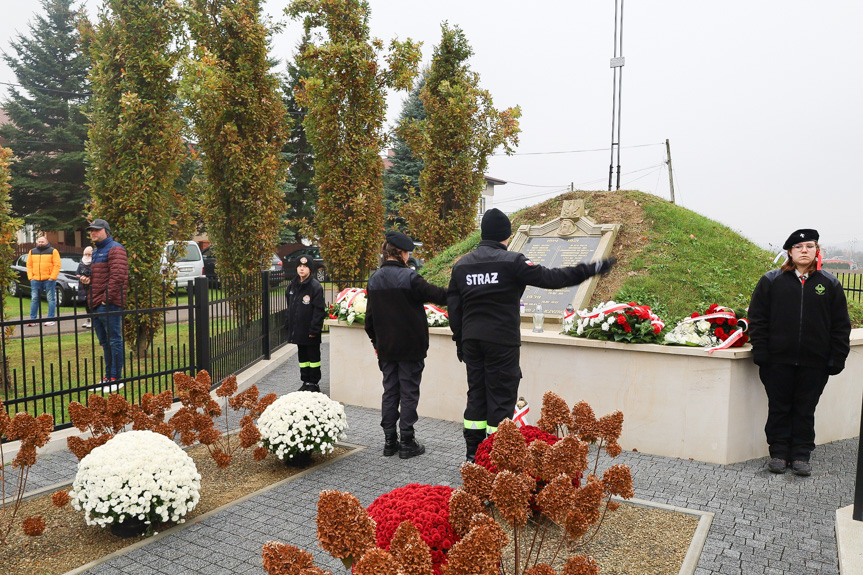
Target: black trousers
[[309, 357], [401, 388], [493, 375], [792, 396]]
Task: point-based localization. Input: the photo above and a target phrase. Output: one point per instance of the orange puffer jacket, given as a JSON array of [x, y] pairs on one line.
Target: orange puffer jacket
[[43, 263]]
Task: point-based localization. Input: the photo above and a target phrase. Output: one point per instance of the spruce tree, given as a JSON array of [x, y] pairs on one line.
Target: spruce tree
[[48, 127], [402, 180], [301, 195]]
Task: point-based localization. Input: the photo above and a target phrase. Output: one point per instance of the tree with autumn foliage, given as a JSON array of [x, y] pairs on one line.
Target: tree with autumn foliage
[[8, 227], [345, 94], [461, 129], [135, 150], [239, 120]]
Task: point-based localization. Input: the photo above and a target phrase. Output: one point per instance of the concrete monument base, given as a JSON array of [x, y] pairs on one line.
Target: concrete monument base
[[676, 401]]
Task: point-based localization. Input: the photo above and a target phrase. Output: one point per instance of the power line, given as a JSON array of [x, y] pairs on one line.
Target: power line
[[574, 151], [31, 88]]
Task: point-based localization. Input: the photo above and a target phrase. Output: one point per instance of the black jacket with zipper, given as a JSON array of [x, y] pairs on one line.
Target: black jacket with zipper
[[791, 322], [306, 311], [395, 318], [486, 286]]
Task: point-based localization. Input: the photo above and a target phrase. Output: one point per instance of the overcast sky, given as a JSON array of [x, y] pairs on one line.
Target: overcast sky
[[760, 100]]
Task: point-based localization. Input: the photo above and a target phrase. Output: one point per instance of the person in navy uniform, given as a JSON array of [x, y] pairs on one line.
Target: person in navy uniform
[[397, 325], [799, 329], [483, 304], [305, 320]]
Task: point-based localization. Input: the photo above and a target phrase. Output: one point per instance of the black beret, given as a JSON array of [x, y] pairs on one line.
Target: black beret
[[400, 240], [495, 225], [800, 236]]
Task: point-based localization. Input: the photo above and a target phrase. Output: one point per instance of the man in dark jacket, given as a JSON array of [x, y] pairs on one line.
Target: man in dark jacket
[[799, 329], [483, 304], [397, 325], [108, 281], [305, 320]]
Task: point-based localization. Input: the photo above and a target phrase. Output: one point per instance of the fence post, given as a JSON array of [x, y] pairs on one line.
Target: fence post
[[265, 313], [857, 512], [202, 325]]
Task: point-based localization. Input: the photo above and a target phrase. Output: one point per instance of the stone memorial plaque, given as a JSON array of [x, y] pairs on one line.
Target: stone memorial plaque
[[554, 252]]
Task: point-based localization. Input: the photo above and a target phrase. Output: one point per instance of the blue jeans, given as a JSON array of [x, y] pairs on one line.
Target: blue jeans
[[48, 286], [109, 330]]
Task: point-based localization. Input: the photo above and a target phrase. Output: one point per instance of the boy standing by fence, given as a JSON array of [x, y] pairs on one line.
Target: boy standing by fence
[[305, 320]]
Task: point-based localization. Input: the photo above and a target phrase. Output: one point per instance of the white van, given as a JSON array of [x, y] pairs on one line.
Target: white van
[[189, 262]]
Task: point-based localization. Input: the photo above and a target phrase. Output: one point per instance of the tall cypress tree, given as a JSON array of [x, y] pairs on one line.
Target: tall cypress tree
[[402, 180], [345, 95], [301, 195], [461, 129], [48, 127]]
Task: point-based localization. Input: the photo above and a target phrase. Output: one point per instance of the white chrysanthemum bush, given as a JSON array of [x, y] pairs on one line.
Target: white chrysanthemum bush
[[136, 475], [302, 422]]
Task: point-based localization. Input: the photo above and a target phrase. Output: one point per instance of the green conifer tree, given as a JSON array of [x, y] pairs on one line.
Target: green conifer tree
[[301, 195], [402, 180], [48, 127]]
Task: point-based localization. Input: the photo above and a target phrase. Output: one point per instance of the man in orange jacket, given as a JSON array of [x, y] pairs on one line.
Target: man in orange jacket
[[43, 267]]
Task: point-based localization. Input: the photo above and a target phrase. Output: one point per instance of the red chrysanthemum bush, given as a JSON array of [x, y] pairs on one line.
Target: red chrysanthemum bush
[[426, 507], [435, 530]]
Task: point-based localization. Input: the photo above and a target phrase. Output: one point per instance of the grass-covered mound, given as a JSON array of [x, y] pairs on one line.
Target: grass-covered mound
[[670, 258]]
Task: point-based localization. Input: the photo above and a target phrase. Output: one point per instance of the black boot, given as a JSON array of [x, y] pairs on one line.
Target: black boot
[[391, 442], [409, 446], [472, 439]]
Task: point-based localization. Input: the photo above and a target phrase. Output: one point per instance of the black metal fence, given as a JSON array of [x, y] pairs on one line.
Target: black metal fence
[[852, 284], [47, 363]]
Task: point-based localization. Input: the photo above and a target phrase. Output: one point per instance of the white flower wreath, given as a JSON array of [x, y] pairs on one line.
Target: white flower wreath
[[136, 474], [302, 421]]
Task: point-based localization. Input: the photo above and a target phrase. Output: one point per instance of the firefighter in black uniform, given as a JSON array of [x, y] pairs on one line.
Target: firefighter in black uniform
[[483, 305], [397, 325], [305, 320], [799, 329]]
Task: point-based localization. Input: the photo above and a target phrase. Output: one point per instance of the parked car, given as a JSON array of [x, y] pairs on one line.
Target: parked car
[[414, 262], [67, 281], [276, 274], [189, 262], [317, 265]]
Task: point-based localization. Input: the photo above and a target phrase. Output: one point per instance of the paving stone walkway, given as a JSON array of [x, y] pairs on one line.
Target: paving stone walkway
[[764, 523]]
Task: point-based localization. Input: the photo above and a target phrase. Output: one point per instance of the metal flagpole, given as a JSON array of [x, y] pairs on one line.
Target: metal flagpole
[[617, 84]]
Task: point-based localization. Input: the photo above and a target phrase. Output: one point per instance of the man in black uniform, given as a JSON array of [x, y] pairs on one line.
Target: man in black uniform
[[483, 305], [799, 329], [305, 320], [397, 325]]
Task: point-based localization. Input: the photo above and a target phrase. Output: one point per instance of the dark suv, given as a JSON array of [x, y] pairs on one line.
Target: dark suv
[[276, 275]]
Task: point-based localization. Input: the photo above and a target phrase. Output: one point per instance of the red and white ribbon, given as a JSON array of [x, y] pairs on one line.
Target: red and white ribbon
[[738, 333], [608, 310], [520, 415], [353, 292], [435, 308], [724, 313]]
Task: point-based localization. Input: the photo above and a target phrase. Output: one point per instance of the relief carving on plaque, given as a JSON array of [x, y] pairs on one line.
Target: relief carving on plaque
[[567, 240]]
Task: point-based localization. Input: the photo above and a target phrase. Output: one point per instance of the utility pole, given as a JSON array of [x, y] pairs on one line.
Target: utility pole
[[616, 65], [670, 176]]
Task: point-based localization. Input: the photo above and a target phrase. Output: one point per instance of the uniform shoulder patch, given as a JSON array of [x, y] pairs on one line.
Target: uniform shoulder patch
[[528, 262]]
